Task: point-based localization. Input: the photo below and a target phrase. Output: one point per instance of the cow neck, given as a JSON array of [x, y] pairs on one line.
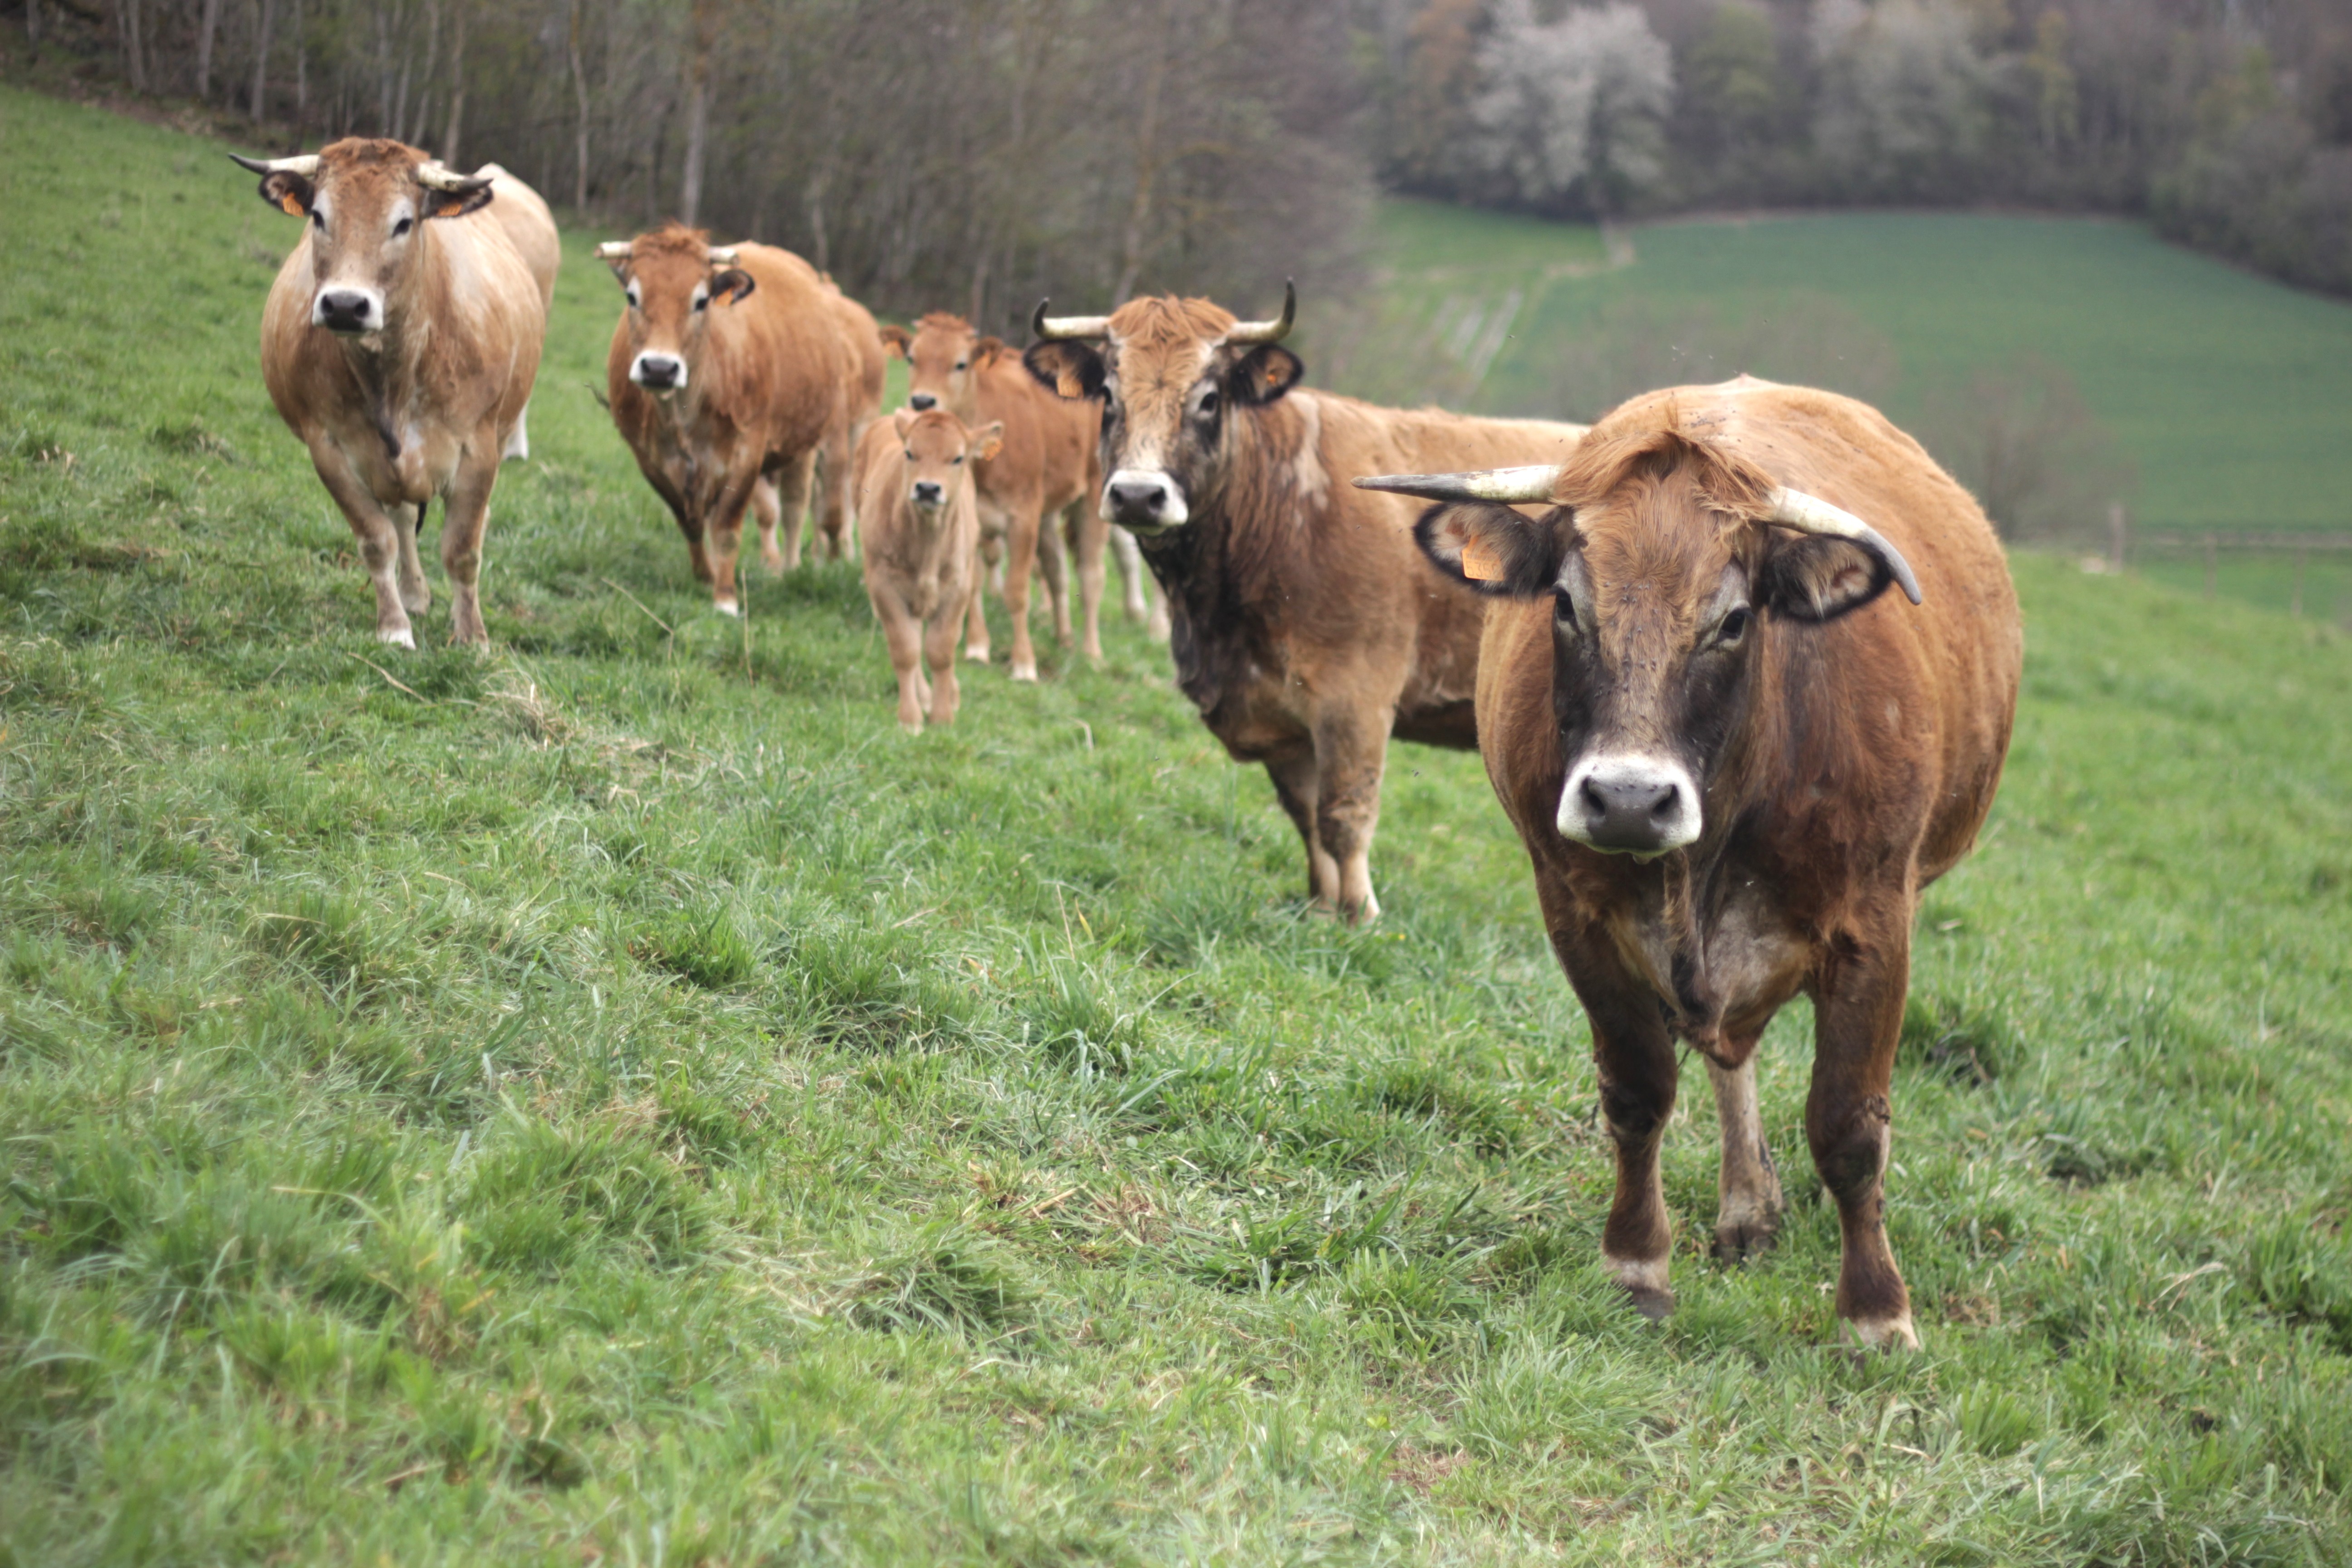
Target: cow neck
[[389, 365]]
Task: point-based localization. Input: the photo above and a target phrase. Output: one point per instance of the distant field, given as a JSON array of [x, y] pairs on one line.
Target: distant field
[[2230, 396], [614, 1100]]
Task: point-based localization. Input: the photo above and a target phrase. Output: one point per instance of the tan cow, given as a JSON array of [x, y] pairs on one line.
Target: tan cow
[[1736, 759], [1046, 473], [400, 342], [919, 530], [729, 366], [1307, 627]]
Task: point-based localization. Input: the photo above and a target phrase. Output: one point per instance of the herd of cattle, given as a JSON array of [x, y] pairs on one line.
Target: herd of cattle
[[1734, 757]]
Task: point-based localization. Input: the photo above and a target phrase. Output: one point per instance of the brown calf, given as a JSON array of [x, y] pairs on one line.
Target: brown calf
[[918, 532], [730, 366], [1735, 759], [400, 342], [1306, 627]]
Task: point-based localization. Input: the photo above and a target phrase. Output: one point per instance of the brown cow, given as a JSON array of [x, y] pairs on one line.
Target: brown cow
[[918, 532], [730, 366], [1046, 471], [400, 342], [1734, 765], [1308, 629]]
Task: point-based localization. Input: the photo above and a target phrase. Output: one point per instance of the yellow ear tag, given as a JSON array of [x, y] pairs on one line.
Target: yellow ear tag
[[451, 209], [292, 203], [1480, 563]]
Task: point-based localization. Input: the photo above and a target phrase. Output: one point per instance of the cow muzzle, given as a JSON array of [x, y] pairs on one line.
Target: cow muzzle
[[1144, 500], [657, 371], [1630, 805], [929, 495], [347, 310], [922, 401]]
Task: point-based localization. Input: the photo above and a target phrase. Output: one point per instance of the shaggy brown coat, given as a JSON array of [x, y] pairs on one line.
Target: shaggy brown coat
[[918, 533], [427, 406], [1307, 628], [780, 366], [1845, 745]]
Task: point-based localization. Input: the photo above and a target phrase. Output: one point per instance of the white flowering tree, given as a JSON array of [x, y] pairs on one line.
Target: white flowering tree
[[1572, 109]]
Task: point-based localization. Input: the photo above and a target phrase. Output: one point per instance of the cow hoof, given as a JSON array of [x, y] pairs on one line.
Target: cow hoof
[[727, 607], [977, 655], [1656, 1306], [1884, 1333], [403, 638], [1644, 1285], [1745, 1240], [1025, 672]]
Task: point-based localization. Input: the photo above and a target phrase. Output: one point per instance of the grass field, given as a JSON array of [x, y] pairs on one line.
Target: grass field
[[2230, 396], [617, 1099]]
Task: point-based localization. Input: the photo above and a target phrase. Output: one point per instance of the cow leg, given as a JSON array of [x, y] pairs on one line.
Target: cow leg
[[940, 653], [792, 477], [726, 540], [904, 636], [415, 594], [1020, 566], [1635, 1064], [991, 552], [1088, 534], [1350, 749], [1295, 785], [1849, 1122], [465, 516], [1131, 572], [379, 542], [765, 507], [1747, 1189], [1054, 565]]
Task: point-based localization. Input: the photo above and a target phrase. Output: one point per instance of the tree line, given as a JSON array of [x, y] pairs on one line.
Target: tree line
[[981, 153]]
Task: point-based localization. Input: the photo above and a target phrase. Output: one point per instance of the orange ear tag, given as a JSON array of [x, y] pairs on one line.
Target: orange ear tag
[[451, 209], [1480, 563], [292, 203]]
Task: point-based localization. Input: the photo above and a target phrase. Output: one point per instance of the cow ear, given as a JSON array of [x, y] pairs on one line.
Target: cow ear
[[1491, 547], [288, 192], [988, 440], [735, 283], [984, 352], [1264, 373], [457, 203], [1067, 366], [894, 341], [1819, 577], [902, 421]]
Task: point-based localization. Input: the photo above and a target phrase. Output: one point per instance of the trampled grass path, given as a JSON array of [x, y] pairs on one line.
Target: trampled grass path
[[613, 1100]]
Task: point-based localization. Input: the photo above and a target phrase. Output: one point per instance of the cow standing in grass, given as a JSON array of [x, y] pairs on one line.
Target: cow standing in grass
[[1306, 627], [918, 532], [1734, 760], [1044, 473], [732, 368], [400, 342]]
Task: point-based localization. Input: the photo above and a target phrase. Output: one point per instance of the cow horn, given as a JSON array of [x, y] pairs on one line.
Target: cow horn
[[305, 165], [1517, 486], [436, 175], [615, 250], [1811, 514], [1272, 331], [1047, 329], [721, 254]]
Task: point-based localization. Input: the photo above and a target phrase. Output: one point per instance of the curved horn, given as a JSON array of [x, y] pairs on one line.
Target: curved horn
[[721, 254], [613, 250], [1516, 486], [1272, 331], [1811, 514], [305, 165], [436, 175], [1047, 329]]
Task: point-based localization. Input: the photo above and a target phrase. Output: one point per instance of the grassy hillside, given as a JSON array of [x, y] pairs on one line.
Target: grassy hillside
[[617, 1100], [2228, 394]]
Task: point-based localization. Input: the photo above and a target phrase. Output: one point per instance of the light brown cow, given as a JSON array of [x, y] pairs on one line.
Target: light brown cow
[[1735, 759], [731, 365], [400, 342], [1307, 628], [1046, 473], [919, 530]]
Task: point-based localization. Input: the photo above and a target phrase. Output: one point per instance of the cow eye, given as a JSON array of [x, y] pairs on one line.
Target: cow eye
[[702, 302], [317, 220], [910, 454], [1208, 405], [963, 365], [958, 461], [402, 226], [1563, 608], [1732, 627]]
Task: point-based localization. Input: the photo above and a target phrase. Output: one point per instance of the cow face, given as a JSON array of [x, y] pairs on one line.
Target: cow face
[[939, 456], [1665, 578], [944, 355], [367, 203], [673, 279], [1174, 376]]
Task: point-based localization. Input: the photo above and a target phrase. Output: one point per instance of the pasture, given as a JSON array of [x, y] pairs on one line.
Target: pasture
[[617, 1100]]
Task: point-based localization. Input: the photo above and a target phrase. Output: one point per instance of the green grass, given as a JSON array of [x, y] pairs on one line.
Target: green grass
[[614, 1100]]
